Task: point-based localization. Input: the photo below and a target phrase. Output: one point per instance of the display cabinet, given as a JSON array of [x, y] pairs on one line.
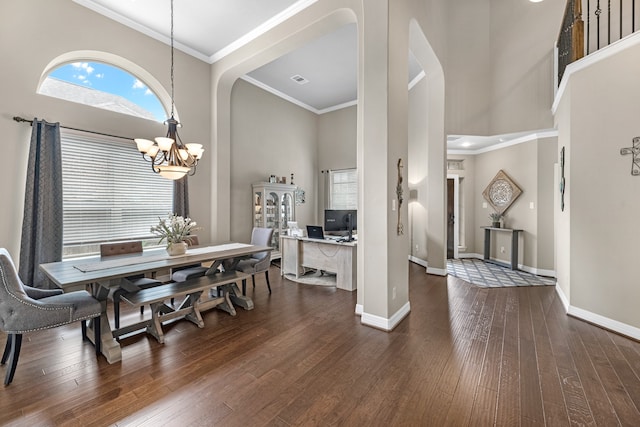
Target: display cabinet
[[273, 207]]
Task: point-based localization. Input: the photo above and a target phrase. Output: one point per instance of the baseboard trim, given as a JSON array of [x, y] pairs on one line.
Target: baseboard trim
[[469, 255], [563, 297], [605, 322], [359, 309], [598, 320], [537, 271], [437, 271], [430, 270], [386, 324], [418, 261]]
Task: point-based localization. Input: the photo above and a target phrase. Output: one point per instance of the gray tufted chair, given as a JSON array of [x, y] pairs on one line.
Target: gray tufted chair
[[25, 309], [259, 262]]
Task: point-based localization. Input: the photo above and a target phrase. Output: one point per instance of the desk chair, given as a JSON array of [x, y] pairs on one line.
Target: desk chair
[[25, 309], [133, 283], [258, 262]]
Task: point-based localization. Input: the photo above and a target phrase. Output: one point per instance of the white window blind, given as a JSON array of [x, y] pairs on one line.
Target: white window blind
[[343, 189], [109, 193]]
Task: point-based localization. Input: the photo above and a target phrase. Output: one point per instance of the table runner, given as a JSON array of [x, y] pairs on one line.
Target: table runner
[[131, 260]]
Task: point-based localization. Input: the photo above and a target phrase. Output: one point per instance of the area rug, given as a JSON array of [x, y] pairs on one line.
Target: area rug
[[314, 277], [489, 275]]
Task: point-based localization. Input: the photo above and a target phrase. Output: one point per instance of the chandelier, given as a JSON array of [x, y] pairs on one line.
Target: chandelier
[[168, 156]]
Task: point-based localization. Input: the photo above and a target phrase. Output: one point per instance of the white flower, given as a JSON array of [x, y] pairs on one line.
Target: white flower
[[173, 229]]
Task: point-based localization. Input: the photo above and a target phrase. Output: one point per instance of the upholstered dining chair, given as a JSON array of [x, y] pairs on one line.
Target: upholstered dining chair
[[259, 262], [132, 283], [25, 309], [187, 272]]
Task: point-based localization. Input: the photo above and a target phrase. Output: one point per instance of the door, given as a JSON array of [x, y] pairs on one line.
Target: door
[[451, 220]]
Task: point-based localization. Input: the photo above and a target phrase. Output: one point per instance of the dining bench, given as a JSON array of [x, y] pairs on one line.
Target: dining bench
[[191, 307]]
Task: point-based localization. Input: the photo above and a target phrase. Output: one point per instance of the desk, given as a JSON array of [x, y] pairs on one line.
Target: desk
[[339, 258], [514, 245], [100, 275]]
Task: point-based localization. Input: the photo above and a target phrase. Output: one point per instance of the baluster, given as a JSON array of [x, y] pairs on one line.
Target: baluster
[[598, 12], [588, 24], [608, 22], [620, 18]]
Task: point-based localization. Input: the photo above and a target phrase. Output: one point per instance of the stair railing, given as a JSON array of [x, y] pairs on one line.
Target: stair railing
[[603, 27]]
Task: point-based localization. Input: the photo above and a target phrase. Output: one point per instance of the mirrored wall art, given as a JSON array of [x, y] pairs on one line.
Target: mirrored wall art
[[501, 192]]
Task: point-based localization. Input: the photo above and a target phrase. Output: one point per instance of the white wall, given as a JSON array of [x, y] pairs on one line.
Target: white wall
[[34, 33]]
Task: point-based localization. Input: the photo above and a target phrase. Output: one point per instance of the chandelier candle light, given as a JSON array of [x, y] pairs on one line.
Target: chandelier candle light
[[168, 155]]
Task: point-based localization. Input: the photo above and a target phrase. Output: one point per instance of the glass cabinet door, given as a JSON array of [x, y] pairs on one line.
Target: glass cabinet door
[[273, 217], [273, 207], [286, 210], [257, 209]]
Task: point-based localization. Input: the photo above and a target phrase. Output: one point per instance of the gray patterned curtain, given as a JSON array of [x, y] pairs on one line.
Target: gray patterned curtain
[[42, 218], [181, 197]]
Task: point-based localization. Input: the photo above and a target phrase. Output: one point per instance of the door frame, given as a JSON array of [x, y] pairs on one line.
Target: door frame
[[456, 213]]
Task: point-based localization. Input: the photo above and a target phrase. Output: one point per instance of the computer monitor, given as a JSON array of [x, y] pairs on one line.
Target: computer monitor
[[341, 222]]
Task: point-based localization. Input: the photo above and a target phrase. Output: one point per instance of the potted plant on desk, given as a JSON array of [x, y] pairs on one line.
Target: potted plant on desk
[[495, 219]]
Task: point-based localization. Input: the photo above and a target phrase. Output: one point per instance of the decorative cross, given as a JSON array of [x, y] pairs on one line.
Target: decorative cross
[[400, 229], [635, 150]]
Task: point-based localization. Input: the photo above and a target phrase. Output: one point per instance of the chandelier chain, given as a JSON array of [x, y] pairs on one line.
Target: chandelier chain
[[172, 91], [168, 155]]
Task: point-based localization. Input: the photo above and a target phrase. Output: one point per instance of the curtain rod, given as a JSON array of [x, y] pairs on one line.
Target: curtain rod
[[22, 119]]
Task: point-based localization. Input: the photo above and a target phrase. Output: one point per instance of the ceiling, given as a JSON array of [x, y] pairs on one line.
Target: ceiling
[[210, 30], [326, 68]]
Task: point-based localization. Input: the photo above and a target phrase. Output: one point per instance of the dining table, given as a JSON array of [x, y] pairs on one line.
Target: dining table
[[100, 275]]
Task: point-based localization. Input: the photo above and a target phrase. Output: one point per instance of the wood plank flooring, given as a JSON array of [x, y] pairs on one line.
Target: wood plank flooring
[[465, 356]]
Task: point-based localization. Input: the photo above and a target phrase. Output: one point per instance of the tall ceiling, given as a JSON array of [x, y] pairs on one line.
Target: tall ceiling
[[320, 76]]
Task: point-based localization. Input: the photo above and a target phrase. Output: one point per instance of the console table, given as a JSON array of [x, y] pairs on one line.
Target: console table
[[514, 245]]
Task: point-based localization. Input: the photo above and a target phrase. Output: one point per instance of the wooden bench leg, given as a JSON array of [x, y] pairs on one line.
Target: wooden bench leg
[[155, 327], [226, 305], [195, 316]]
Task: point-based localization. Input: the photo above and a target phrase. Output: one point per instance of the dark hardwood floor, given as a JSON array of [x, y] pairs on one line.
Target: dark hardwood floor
[[464, 356]]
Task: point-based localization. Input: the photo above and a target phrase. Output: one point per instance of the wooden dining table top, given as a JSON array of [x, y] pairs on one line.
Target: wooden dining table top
[[83, 271]]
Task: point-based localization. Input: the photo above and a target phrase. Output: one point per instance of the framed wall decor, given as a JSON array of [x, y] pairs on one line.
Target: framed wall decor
[[501, 192]]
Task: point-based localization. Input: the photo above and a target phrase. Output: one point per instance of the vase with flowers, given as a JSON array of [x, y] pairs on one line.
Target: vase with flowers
[[174, 231]]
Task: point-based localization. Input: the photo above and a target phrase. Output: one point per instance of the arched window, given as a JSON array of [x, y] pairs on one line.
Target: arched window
[[105, 81], [106, 184]]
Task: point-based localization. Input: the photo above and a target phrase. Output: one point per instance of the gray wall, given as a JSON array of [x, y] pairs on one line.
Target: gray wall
[[597, 232], [498, 64], [530, 165], [522, 38], [269, 136], [34, 33], [336, 148]]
